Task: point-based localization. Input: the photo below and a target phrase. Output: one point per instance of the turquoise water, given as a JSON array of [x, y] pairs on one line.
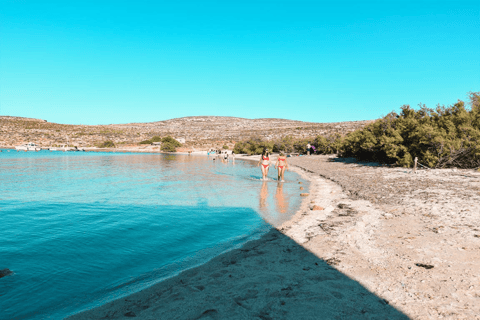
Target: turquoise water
[[81, 229]]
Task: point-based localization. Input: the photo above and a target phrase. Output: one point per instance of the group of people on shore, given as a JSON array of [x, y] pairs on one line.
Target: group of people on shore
[[224, 156], [280, 165]]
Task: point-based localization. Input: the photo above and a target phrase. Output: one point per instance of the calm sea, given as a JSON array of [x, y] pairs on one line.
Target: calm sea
[[81, 229]]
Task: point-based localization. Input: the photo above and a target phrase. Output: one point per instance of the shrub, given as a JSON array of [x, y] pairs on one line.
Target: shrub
[[251, 146], [256, 145], [225, 147], [150, 141], [168, 147], [444, 137], [169, 144], [107, 144], [169, 139], [328, 144]]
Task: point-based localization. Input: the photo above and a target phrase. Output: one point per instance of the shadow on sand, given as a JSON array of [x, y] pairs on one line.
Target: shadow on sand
[[360, 163], [270, 278]]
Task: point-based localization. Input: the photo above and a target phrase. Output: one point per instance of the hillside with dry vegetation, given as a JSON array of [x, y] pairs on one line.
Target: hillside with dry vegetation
[[200, 133]]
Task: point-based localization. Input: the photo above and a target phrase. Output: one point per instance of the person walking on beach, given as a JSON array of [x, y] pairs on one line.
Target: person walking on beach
[[265, 162], [281, 165]]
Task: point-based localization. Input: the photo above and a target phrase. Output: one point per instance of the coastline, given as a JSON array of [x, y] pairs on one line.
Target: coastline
[[269, 278], [228, 255], [368, 242]]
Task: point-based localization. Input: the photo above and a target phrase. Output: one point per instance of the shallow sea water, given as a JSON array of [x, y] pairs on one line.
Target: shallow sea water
[[81, 229]]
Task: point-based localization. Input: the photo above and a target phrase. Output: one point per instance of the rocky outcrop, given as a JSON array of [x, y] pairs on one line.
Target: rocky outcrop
[[5, 272]]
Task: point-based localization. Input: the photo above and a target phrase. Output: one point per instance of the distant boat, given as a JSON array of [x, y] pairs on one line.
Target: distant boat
[[28, 147]]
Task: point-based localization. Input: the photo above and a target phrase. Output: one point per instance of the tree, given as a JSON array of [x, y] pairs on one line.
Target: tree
[[169, 144], [168, 147], [169, 139]]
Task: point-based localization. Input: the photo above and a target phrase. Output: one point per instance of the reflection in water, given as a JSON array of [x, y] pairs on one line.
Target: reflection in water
[[263, 196], [282, 210], [280, 202]]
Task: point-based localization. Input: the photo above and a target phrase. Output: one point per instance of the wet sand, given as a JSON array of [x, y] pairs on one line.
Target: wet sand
[[367, 243]]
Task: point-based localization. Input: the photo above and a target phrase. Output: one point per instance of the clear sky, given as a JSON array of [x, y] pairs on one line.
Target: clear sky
[[102, 62]]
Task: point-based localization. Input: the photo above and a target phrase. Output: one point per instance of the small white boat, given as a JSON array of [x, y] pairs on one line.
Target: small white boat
[[28, 147]]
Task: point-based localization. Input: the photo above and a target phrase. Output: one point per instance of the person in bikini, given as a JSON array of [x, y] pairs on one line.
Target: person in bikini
[[281, 165], [265, 162]]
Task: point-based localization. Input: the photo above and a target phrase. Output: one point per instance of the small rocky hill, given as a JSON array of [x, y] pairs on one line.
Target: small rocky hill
[[200, 132]]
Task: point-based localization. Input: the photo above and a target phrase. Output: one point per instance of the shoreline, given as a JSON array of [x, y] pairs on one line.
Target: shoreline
[[368, 242], [269, 278], [225, 255]]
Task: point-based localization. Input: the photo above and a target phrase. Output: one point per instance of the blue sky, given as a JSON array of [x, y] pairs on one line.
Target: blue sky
[[102, 62]]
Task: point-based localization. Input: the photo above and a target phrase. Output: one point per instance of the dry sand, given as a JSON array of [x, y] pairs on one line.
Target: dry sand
[[382, 243]]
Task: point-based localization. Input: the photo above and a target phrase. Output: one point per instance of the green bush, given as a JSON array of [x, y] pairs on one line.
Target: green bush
[[328, 144], [169, 139], [150, 141], [225, 147], [440, 138], [169, 144], [251, 146], [256, 145], [168, 147], [107, 144]]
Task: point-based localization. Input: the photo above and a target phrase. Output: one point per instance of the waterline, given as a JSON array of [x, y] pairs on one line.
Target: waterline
[[81, 229]]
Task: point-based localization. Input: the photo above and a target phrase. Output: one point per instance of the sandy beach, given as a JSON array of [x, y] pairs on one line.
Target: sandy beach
[[368, 242]]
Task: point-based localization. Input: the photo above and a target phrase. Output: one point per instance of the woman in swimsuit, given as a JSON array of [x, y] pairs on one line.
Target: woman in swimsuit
[[265, 162], [282, 165]]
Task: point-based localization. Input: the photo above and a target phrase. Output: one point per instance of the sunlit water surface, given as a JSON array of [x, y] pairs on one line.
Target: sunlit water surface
[[81, 229]]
